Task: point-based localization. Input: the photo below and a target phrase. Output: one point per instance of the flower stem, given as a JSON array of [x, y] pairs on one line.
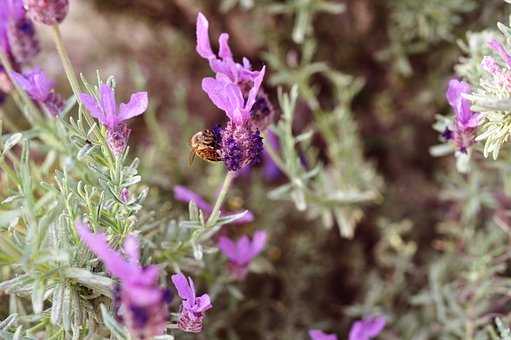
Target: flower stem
[[66, 62], [221, 197]]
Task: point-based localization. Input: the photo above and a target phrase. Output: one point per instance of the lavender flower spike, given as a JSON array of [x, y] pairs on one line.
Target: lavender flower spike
[[193, 308], [241, 252], [316, 334], [184, 194], [367, 328], [40, 88], [144, 305], [49, 12], [106, 111]]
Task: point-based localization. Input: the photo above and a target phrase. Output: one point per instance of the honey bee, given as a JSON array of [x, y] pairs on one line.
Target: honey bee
[[206, 145]]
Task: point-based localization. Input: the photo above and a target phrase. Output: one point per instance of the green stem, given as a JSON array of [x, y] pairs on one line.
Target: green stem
[[66, 62], [32, 114], [221, 197]]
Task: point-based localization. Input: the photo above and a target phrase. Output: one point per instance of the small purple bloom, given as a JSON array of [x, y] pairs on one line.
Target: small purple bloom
[[193, 308], [466, 121], [49, 12], [125, 195], [40, 88], [316, 334], [240, 253], [112, 117], [144, 303], [367, 328], [184, 194]]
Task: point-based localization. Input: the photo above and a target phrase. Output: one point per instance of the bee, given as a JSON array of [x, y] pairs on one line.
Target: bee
[[206, 145]]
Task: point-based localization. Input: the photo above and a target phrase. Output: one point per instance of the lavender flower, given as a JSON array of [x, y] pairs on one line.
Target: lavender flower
[[466, 121], [193, 308], [144, 304], [241, 252], [17, 32], [41, 89], [184, 194], [49, 12], [367, 328], [316, 334], [105, 110]]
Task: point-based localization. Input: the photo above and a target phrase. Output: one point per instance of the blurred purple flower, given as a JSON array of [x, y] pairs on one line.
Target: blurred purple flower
[[49, 12], [466, 121], [270, 170], [183, 194], [113, 118], [223, 63], [40, 88], [145, 303], [367, 328], [193, 308], [241, 252], [316, 334]]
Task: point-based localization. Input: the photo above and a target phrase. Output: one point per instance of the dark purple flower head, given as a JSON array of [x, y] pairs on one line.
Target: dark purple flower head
[[144, 303], [49, 12], [223, 63], [241, 252], [242, 145], [184, 194], [17, 32], [193, 308], [316, 334], [40, 88], [106, 111], [367, 328]]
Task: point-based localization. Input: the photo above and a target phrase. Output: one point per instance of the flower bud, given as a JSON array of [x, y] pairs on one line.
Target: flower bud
[[49, 12]]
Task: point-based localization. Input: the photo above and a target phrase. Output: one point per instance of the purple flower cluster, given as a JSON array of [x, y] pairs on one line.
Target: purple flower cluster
[[143, 304], [17, 32], [193, 308], [236, 89], [41, 89], [241, 252], [184, 194], [49, 12], [466, 121], [112, 117], [365, 329]]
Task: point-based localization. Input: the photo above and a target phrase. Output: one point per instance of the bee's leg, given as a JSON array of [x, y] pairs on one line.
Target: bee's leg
[[191, 158]]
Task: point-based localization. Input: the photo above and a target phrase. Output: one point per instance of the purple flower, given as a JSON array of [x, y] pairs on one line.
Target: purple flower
[[112, 117], [316, 334], [193, 308], [270, 170], [223, 63], [17, 32], [240, 253], [144, 304], [367, 328], [49, 12], [466, 121], [184, 194], [40, 88]]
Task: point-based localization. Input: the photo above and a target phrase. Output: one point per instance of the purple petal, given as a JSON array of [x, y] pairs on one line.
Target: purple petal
[[22, 81], [203, 303], [149, 276], [228, 248], [367, 328], [113, 261], [92, 106], [499, 48], [203, 44], [143, 296], [136, 106], [42, 85], [454, 91], [252, 94], [225, 50], [226, 96], [258, 242], [184, 194], [244, 250], [316, 334], [108, 104], [183, 288], [132, 249]]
